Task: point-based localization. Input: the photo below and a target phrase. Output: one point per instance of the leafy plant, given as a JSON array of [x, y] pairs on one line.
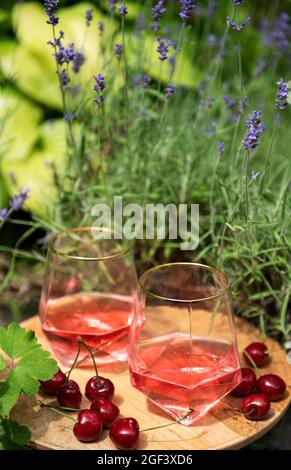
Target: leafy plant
[[163, 121], [24, 364]]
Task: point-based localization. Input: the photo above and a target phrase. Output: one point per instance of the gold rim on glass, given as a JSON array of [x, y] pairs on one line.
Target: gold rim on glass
[[58, 252], [204, 266]]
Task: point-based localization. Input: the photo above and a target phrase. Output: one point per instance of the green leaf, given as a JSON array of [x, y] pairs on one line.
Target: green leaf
[[16, 341], [2, 364], [33, 172], [13, 435], [9, 394], [18, 135], [34, 366]]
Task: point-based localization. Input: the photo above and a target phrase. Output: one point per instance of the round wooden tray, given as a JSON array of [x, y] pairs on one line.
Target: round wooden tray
[[221, 428]]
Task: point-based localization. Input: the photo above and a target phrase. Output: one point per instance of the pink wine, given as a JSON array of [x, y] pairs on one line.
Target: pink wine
[[178, 374], [102, 322]]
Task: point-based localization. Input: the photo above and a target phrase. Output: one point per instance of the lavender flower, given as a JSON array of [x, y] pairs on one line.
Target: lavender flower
[[111, 4], [186, 8], [51, 7], [89, 16], [19, 199], [237, 2], [118, 50], [140, 23], [123, 9], [170, 90], [281, 34], [99, 87], [157, 12], [163, 48], [69, 117], [78, 61], [238, 26], [212, 40], [210, 101], [255, 129], [220, 148], [3, 214], [99, 82], [229, 101], [64, 78], [146, 81], [282, 95], [65, 55], [100, 26]]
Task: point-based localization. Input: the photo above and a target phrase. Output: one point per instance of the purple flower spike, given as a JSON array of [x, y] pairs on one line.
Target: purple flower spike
[[3, 214], [238, 26], [89, 16], [229, 101], [237, 2], [99, 87], [123, 9], [64, 78], [157, 12], [100, 82], [50, 7], [255, 129], [19, 199], [111, 4], [282, 95], [118, 50], [220, 148], [101, 26], [163, 48], [78, 61], [170, 90], [187, 6]]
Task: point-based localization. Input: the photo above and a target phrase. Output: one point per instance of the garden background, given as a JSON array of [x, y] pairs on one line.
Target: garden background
[[168, 118]]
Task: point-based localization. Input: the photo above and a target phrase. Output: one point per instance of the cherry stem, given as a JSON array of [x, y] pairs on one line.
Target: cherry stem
[[245, 413], [170, 424], [57, 410], [80, 341], [75, 361], [252, 362]]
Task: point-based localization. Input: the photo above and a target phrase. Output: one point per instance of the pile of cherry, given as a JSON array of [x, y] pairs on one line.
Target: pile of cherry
[[103, 413], [258, 393]]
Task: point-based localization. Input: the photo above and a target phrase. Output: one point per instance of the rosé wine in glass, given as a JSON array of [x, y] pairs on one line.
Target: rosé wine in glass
[[183, 352], [89, 291]]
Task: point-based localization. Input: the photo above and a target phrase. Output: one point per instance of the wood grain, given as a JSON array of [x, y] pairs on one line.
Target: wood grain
[[221, 428]]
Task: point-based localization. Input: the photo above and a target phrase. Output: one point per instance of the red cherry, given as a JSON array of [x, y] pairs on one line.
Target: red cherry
[[99, 387], [272, 385], [50, 387], [125, 433], [258, 352], [247, 384], [88, 426], [69, 395], [107, 410], [255, 406]]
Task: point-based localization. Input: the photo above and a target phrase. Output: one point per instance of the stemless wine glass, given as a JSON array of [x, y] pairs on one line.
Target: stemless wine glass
[[183, 353], [89, 291]]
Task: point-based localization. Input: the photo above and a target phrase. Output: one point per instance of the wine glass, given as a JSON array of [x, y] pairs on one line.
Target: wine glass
[[183, 353], [89, 291]]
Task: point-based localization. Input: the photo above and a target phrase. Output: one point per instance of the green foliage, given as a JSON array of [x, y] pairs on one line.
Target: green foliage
[[13, 436], [34, 365]]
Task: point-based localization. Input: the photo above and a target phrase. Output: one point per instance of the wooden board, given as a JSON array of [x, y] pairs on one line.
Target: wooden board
[[221, 428]]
